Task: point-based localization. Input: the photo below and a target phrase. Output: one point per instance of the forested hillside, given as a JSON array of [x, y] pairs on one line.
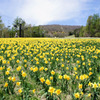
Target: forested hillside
[[59, 30]]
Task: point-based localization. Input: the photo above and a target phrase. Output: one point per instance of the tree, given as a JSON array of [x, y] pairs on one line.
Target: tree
[[12, 32], [19, 22], [89, 25], [93, 25], [1, 27], [38, 32], [28, 30]]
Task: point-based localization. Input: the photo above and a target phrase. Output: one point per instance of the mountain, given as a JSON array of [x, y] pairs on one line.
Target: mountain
[[58, 30]]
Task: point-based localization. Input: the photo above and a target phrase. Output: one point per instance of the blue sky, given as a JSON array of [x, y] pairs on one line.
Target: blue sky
[[43, 12]]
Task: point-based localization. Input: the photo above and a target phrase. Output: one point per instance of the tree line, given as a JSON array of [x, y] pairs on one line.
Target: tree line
[[92, 28], [27, 30]]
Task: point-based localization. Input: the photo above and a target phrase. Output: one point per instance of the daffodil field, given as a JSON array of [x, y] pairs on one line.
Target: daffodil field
[[49, 69]]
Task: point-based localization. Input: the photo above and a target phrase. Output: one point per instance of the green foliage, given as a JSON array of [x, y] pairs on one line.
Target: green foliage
[[97, 34], [1, 27], [17, 22], [16, 25], [26, 30], [11, 32], [33, 31], [92, 28], [76, 32], [93, 24], [1, 24]]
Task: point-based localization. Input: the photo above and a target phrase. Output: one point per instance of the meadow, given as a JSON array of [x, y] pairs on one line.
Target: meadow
[[49, 69]]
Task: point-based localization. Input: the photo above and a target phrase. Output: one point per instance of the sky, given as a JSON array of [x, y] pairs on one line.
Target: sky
[[47, 12]]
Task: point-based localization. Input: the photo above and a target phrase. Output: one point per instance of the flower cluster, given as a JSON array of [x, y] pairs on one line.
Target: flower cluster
[[57, 67]]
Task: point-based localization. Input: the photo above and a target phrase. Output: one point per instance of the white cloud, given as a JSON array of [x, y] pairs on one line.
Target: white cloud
[[44, 11]]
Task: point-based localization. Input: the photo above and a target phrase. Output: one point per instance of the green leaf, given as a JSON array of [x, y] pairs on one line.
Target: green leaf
[[44, 95], [41, 91]]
